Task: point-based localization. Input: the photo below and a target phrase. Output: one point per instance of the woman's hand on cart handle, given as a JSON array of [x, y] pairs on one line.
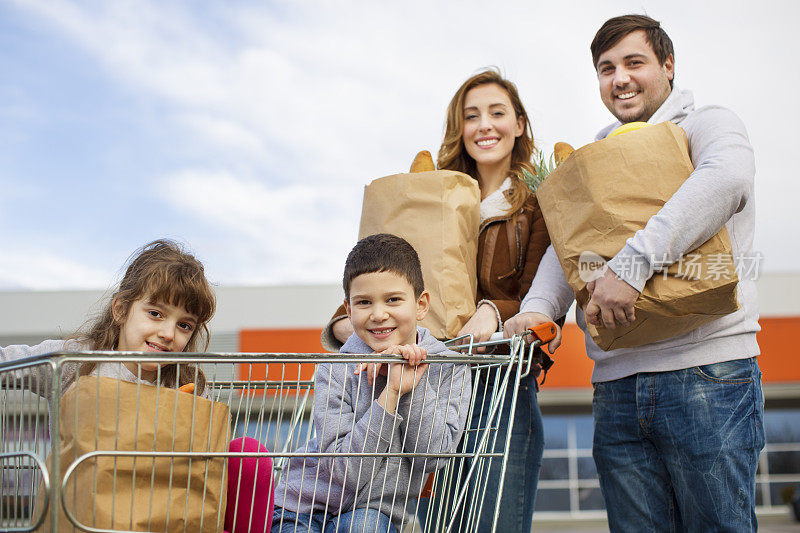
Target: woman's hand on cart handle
[[539, 325], [342, 329], [482, 326]]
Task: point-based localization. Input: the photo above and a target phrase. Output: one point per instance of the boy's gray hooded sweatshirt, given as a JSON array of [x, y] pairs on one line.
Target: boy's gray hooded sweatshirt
[[718, 193], [348, 419]]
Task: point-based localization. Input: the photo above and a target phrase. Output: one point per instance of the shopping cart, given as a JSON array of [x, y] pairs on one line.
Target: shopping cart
[[270, 399]]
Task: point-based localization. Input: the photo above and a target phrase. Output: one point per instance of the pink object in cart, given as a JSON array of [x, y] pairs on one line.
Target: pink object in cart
[[250, 488]]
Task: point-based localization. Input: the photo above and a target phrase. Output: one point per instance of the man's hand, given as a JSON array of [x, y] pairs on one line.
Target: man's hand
[[611, 301], [482, 324], [522, 322]]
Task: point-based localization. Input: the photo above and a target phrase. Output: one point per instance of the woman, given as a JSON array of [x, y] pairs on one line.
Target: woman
[[488, 136]]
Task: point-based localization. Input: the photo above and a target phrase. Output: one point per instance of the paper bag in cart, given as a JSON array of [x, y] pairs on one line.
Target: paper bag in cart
[[142, 493], [607, 191], [438, 213]]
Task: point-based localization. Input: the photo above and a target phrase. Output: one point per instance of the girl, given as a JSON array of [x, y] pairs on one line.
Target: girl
[[163, 304], [488, 136]]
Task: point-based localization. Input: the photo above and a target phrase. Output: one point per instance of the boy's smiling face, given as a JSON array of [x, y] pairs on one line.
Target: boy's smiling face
[[384, 310]]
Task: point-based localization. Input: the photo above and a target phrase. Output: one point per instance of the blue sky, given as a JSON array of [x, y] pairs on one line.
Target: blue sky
[[248, 129]]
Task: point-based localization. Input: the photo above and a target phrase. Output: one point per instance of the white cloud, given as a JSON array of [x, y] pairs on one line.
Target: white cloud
[[297, 233], [345, 91], [299, 84], [225, 133], [39, 269]]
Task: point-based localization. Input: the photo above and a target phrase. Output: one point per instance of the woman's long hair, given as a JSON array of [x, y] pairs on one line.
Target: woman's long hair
[[160, 271], [453, 155]]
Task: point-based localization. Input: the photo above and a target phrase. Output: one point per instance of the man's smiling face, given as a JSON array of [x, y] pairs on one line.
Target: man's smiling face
[[633, 84]]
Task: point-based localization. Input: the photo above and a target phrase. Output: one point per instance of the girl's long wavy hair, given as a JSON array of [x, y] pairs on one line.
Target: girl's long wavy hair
[[161, 271], [453, 155]]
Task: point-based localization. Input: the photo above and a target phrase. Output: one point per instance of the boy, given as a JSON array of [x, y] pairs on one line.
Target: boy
[[409, 407]]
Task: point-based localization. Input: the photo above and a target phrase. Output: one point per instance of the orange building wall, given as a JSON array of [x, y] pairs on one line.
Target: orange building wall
[[780, 350], [779, 360], [279, 341]]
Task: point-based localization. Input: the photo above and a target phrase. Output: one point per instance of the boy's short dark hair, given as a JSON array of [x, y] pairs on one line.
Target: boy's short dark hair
[[383, 252], [617, 28]]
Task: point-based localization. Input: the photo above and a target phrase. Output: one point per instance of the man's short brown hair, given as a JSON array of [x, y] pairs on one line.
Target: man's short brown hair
[[617, 28]]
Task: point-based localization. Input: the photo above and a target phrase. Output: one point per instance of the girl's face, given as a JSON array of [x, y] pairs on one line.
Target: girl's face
[[490, 126], [154, 327]]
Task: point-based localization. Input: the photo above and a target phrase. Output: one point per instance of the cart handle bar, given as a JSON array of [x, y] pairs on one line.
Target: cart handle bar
[[543, 333]]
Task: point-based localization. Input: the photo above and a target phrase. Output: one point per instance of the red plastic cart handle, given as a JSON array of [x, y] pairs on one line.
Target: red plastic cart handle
[[543, 332]]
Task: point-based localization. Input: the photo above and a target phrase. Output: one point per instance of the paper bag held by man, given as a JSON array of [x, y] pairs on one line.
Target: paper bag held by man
[[604, 193]]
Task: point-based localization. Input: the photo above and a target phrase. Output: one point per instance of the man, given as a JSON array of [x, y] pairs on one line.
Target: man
[[679, 422]]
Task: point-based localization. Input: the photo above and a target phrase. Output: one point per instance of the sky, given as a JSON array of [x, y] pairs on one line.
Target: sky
[[247, 130]]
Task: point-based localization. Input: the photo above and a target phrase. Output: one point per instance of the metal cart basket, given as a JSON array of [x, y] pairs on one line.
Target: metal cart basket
[[52, 484]]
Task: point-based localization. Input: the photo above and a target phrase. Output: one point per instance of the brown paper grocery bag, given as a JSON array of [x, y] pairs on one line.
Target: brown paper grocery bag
[[438, 213], [605, 192], [141, 494]]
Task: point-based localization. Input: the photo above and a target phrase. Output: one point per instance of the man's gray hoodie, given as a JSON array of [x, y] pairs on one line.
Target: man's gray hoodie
[[348, 419], [718, 193]]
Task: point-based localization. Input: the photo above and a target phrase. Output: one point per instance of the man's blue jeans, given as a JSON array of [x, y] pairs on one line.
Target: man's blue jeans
[[360, 520], [678, 451]]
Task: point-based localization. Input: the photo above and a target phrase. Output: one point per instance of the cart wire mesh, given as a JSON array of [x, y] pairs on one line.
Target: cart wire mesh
[[133, 457]]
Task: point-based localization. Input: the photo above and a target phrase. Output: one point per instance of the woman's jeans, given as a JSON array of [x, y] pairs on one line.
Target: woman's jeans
[[522, 468], [356, 521], [678, 451]]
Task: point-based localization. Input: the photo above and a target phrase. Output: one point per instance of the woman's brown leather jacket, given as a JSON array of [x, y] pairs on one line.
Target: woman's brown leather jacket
[[509, 250]]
